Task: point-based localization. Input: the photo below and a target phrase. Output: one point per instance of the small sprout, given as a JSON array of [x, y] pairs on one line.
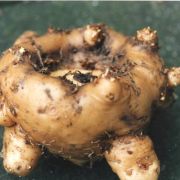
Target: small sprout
[[22, 50], [147, 36], [93, 35]]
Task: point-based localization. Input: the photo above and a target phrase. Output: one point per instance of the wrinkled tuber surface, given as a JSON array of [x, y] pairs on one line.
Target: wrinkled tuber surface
[[83, 94]]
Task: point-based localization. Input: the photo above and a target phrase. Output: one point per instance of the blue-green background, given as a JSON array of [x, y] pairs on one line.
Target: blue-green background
[[127, 17]]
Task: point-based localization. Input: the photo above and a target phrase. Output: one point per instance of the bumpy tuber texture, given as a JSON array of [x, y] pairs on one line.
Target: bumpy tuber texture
[[83, 94]]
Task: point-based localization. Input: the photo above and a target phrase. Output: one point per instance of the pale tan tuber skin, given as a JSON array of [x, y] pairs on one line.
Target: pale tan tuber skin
[[133, 157], [83, 94], [21, 155]]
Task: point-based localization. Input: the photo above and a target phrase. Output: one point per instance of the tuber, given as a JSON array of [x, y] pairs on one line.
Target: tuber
[[83, 94]]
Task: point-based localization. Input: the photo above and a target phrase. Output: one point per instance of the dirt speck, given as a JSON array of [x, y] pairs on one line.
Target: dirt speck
[[14, 87], [130, 152], [48, 93], [19, 167], [42, 110], [129, 172], [144, 163], [13, 111], [110, 96], [69, 124]]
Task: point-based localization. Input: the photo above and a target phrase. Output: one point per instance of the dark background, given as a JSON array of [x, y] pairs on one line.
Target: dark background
[[127, 17]]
